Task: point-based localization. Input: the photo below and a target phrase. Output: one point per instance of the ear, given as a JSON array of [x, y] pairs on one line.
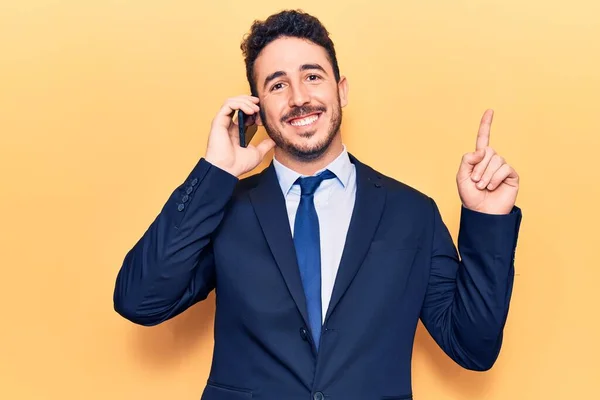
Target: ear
[[343, 91], [257, 118]]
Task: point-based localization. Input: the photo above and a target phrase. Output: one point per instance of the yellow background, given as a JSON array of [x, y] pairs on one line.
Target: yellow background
[[105, 107]]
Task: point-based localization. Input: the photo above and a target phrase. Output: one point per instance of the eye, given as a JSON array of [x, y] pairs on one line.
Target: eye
[[313, 77], [277, 86]]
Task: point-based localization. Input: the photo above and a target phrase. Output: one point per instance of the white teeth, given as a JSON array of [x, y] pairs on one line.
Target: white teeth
[[305, 121]]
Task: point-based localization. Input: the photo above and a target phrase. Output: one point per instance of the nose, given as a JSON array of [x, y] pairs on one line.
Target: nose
[[299, 95]]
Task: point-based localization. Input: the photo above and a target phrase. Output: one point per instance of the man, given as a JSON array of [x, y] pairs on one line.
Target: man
[[321, 265]]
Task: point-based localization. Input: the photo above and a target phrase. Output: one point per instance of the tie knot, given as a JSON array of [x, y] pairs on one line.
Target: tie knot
[[309, 184]]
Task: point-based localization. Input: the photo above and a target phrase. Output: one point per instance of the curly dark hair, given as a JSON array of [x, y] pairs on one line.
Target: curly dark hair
[[287, 23]]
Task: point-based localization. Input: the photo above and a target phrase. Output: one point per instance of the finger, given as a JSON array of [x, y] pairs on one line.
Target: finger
[[234, 135], [505, 174], [241, 104], [234, 132], [250, 101], [244, 103], [247, 99], [481, 167], [483, 135], [494, 165], [225, 115], [468, 162], [253, 99], [264, 147]]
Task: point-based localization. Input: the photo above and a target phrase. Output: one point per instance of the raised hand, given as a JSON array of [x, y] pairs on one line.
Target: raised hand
[[224, 150], [486, 183]]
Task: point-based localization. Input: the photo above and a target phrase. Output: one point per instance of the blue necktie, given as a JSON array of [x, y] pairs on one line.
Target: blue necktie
[[308, 249]]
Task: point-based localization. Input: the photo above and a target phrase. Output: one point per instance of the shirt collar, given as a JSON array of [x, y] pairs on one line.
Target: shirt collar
[[341, 167]]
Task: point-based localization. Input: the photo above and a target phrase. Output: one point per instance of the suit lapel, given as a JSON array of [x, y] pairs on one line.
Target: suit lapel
[[368, 208], [269, 205]]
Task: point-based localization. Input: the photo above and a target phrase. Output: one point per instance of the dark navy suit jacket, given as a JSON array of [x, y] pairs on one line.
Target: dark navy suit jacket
[[399, 264]]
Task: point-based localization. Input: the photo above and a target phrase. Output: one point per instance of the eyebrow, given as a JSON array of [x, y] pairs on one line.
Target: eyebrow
[[303, 67]]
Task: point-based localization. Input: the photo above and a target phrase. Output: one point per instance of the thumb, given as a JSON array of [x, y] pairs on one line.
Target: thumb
[[468, 163], [264, 147]]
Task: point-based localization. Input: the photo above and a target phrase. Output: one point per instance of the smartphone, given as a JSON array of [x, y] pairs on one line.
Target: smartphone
[[247, 126]]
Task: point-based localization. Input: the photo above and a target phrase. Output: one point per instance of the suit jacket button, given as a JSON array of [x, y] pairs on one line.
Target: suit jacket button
[[180, 207], [318, 396], [194, 181], [303, 333]]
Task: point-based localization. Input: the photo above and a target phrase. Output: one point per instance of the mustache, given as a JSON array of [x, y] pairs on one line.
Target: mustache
[[302, 111]]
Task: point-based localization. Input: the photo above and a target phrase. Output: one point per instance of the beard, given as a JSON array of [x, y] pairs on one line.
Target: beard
[[304, 152]]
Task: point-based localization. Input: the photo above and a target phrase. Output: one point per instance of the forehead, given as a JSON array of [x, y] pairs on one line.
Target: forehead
[[288, 54]]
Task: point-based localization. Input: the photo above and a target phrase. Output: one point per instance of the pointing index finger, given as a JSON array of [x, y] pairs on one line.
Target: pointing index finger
[[483, 135]]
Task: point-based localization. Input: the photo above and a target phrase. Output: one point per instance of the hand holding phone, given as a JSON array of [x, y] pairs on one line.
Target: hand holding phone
[[223, 149]]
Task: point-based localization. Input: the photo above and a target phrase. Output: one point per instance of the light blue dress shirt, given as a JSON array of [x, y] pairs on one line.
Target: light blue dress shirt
[[334, 202]]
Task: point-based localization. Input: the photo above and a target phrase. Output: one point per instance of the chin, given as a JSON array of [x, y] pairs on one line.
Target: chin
[[305, 139], [310, 145]]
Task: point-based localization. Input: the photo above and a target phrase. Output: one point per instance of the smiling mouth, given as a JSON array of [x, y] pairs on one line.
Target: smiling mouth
[[304, 121]]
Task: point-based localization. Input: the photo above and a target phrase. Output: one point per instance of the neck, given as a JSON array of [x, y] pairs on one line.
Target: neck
[[309, 167]]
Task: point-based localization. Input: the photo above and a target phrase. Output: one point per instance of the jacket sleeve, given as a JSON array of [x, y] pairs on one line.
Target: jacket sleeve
[[469, 291], [171, 267]]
